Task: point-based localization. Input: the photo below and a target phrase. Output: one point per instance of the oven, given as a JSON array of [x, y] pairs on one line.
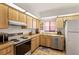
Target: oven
[[23, 48]]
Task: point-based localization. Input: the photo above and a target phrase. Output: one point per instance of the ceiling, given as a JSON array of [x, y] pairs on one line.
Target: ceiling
[[49, 9]]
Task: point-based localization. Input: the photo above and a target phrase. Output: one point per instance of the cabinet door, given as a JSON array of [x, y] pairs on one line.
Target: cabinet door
[[3, 16], [29, 22], [34, 23], [21, 17], [13, 14], [38, 24], [42, 40], [33, 44], [37, 41], [7, 51], [60, 22], [48, 41]]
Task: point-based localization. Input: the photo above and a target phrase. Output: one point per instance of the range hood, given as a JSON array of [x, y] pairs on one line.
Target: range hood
[[12, 22]]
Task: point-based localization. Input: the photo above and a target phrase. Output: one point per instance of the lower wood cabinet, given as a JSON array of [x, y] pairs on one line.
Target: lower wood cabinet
[[42, 40], [34, 43], [48, 41], [6, 49], [45, 40], [55, 42]]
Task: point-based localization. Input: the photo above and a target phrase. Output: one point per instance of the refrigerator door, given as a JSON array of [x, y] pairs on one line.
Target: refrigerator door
[[72, 44], [72, 37]]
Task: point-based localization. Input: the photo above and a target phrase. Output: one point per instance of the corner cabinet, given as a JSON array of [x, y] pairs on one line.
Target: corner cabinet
[[59, 22]]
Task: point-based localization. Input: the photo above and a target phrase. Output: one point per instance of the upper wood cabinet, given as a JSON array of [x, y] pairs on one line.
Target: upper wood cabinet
[[3, 16], [29, 22], [59, 22], [38, 24], [34, 23], [13, 14], [22, 17]]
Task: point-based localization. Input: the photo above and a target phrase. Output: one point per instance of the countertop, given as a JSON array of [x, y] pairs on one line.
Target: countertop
[[48, 34]]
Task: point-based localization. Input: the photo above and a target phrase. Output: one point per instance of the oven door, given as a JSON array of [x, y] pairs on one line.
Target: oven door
[[22, 48]]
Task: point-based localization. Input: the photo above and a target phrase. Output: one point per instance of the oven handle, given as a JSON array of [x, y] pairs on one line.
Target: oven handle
[[21, 43]]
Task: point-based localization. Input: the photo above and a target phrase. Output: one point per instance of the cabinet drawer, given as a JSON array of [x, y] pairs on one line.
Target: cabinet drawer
[[6, 50]]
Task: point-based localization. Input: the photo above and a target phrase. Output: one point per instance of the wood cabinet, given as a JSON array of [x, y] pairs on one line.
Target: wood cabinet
[[55, 42], [45, 40], [22, 17], [34, 23], [60, 22], [48, 41], [6, 49], [3, 16], [42, 40], [29, 22], [38, 24], [13, 14], [34, 43]]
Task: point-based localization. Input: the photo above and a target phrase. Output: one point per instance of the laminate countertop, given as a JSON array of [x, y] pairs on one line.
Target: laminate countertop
[[48, 34]]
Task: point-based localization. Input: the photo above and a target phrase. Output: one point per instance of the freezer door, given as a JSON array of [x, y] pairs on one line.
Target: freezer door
[[72, 25]]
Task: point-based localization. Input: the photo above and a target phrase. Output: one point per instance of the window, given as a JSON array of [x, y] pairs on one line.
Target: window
[[50, 26]]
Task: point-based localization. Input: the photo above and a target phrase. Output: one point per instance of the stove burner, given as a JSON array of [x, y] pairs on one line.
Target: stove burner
[[15, 40], [24, 37]]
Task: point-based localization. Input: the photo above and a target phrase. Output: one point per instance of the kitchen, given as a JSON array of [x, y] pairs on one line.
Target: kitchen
[[22, 33]]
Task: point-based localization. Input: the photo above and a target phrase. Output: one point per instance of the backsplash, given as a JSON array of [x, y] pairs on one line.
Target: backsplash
[[16, 29]]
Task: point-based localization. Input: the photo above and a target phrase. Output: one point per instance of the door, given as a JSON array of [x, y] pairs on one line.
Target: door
[[3, 16]]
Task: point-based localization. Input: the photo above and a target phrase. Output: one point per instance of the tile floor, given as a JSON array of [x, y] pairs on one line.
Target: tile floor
[[47, 51]]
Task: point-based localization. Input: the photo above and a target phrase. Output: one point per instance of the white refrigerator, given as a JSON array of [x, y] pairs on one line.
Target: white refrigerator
[[72, 37]]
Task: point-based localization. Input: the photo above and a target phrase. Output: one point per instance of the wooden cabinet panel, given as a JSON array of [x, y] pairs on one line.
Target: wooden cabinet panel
[[37, 42], [21, 17], [3, 16], [42, 40], [38, 24], [34, 23], [29, 21], [48, 41], [34, 43], [6, 49], [60, 22], [13, 14]]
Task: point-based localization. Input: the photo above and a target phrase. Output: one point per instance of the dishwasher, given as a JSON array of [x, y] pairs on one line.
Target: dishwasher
[[56, 43]]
